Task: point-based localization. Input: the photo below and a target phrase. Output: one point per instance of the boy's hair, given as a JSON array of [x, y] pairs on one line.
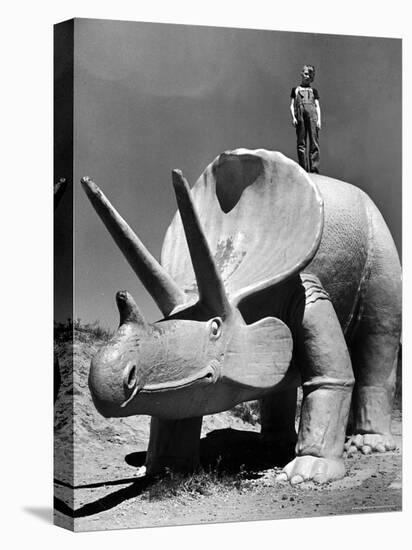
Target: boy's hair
[[311, 70]]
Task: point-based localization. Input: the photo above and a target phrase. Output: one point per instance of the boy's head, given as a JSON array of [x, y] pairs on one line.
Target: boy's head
[[308, 74]]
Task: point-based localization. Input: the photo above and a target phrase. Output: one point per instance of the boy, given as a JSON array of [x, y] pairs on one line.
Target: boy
[[305, 111]]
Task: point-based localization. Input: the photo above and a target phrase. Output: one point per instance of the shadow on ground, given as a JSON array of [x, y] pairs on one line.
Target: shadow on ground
[[237, 450], [105, 503], [231, 450]]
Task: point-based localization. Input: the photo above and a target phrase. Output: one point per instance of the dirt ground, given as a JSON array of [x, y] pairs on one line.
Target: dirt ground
[[100, 485]]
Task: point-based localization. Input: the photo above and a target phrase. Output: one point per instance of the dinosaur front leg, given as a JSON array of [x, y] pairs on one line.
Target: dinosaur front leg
[[327, 380], [174, 445]]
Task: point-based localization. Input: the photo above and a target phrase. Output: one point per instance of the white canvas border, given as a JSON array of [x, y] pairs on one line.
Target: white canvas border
[[27, 229]]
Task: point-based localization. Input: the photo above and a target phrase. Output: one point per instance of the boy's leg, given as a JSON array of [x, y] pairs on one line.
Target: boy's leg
[[301, 143], [314, 152]]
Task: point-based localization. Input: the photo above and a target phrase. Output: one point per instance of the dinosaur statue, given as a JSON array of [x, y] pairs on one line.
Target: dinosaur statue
[[270, 278]]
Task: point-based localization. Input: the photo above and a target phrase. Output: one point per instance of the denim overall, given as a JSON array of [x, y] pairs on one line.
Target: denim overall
[[306, 129]]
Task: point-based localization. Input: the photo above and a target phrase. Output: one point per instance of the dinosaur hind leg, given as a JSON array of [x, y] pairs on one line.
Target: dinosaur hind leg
[[374, 360], [375, 348]]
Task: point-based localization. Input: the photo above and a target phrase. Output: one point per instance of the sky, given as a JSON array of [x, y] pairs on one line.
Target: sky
[[152, 97]]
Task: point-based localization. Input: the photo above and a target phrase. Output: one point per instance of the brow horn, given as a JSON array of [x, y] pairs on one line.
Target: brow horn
[[211, 289], [154, 277]]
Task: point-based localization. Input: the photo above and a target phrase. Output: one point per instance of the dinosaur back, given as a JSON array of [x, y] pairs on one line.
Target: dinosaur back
[[344, 257]]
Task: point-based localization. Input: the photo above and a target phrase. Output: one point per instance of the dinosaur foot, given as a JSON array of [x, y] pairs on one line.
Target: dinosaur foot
[[312, 468], [369, 443]]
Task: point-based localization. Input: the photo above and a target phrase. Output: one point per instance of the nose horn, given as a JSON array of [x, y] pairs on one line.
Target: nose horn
[[128, 310]]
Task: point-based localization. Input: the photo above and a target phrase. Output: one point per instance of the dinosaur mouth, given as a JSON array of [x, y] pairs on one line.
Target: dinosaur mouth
[[184, 383], [208, 375]]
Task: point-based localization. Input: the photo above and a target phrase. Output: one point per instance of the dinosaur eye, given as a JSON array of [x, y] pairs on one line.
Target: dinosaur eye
[[215, 328]]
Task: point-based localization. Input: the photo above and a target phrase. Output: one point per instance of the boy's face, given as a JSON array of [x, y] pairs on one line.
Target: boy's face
[[306, 77]]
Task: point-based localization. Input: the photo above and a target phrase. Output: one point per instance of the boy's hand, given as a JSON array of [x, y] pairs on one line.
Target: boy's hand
[[294, 121]]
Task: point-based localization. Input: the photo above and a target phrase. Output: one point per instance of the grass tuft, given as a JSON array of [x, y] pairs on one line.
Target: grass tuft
[[203, 482]]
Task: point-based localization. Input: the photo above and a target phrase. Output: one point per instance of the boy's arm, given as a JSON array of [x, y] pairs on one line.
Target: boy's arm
[[317, 105], [292, 112]]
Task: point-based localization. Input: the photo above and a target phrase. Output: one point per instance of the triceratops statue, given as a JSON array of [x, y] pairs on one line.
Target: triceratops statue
[[269, 278]]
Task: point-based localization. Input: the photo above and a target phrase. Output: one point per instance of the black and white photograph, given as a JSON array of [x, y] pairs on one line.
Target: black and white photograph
[[205, 274], [228, 202]]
